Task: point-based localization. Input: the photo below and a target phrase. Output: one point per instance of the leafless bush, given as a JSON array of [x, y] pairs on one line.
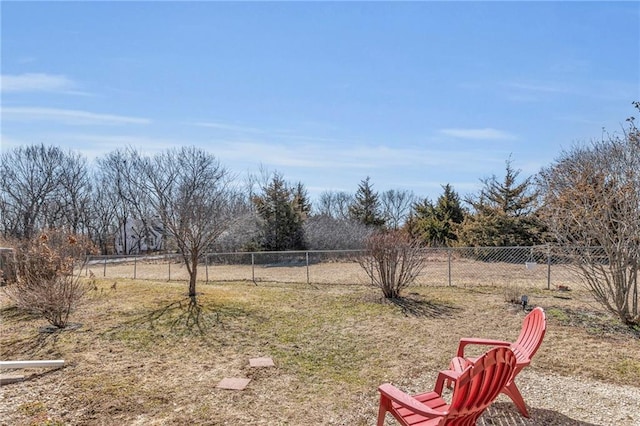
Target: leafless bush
[[52, 299], [392, 261], [324, 232], [46, 285], [513, 294]]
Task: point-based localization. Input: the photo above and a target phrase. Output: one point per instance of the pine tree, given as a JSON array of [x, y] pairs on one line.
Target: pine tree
[[283, 211], [366, 207], [301, 208], [504, 213], [437, 224]]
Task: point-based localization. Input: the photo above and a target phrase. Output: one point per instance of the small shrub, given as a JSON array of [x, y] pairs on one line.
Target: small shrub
[[392, 261], [45, 283], [513, 294]]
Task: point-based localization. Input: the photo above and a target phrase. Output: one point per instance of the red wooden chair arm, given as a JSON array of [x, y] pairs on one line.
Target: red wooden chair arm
[[477, 341], [401, 398], [443, 375]]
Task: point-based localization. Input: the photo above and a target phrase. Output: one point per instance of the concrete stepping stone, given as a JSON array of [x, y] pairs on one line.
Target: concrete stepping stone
[[233, 383], [261, 362]]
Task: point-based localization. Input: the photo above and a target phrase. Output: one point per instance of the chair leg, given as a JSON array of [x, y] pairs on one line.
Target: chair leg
[[382, 411], [511, 390]]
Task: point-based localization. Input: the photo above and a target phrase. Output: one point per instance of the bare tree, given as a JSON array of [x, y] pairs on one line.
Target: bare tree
[[240, 236], [334, 204], [190, 190], [396, 206], [70, 202], [123, 183], [393, 261], [102, 219], [591, 198], [324, 232], [28, 183]]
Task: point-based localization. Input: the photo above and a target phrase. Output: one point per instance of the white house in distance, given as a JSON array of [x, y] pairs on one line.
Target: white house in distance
[[134, 238]]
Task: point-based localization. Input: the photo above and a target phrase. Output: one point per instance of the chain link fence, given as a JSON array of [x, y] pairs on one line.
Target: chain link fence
[[537, 266]]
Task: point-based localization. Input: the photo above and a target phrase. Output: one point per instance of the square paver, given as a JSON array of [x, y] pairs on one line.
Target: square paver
[[261, 362], [233, 383]]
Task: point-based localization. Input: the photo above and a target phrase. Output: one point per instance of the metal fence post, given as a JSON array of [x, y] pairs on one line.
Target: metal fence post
[[104, 271], [253, 269], [135, 267], [548, 267], [169, 269], [449, 264], [206, 268], [307, 256]]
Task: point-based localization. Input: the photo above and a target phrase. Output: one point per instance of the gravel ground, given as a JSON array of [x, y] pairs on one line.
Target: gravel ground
[[552, 400], [556, 400]]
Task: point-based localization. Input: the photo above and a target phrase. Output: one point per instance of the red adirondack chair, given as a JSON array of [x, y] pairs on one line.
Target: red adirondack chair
[[474, 390], [525, 346]]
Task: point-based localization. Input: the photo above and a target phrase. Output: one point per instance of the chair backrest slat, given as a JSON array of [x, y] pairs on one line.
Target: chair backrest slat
[[479, 385], [532, 333]]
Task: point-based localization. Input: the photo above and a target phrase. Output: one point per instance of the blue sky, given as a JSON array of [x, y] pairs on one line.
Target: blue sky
[[414, 95]]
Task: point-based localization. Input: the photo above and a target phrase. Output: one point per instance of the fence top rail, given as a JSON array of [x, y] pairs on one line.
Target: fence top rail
[[240, 253], [131, 256], [340, 251]]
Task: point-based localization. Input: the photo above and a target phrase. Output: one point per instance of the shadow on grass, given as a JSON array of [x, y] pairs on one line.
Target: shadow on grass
[[182, 317], [33, 343], [16, 314], [505, 414], [415, 306], [597, 323], [33, 340]]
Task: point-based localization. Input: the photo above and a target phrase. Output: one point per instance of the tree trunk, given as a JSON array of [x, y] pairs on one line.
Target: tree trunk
[[193, 274]]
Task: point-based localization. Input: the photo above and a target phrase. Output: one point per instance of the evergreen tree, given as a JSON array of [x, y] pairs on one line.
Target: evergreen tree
[[301, 208], [437, 224], [301, 201], [366, 206], [504, 213], [283, 211]]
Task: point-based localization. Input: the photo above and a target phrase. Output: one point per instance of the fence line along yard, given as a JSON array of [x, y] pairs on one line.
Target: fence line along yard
[[536, 266]]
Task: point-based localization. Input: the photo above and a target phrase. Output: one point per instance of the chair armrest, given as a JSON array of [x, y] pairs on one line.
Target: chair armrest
[[445, 375], [476, 341], [396, 395]]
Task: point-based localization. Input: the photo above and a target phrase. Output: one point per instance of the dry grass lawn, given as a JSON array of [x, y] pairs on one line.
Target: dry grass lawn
[[140, 354]]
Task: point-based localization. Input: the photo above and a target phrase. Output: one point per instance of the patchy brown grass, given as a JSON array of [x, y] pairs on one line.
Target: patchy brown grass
[[142, 354]]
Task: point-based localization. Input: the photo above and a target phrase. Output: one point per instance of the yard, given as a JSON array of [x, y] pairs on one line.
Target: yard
[[140, 354]]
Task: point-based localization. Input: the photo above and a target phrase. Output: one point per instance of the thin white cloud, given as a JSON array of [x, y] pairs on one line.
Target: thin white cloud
[[263, 133], [68, 116], [38, 82], [344, 155], [230, 127], [316, 156], [320, 166], [611, 90], [93, 145], [482, 134], [539, 87]]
